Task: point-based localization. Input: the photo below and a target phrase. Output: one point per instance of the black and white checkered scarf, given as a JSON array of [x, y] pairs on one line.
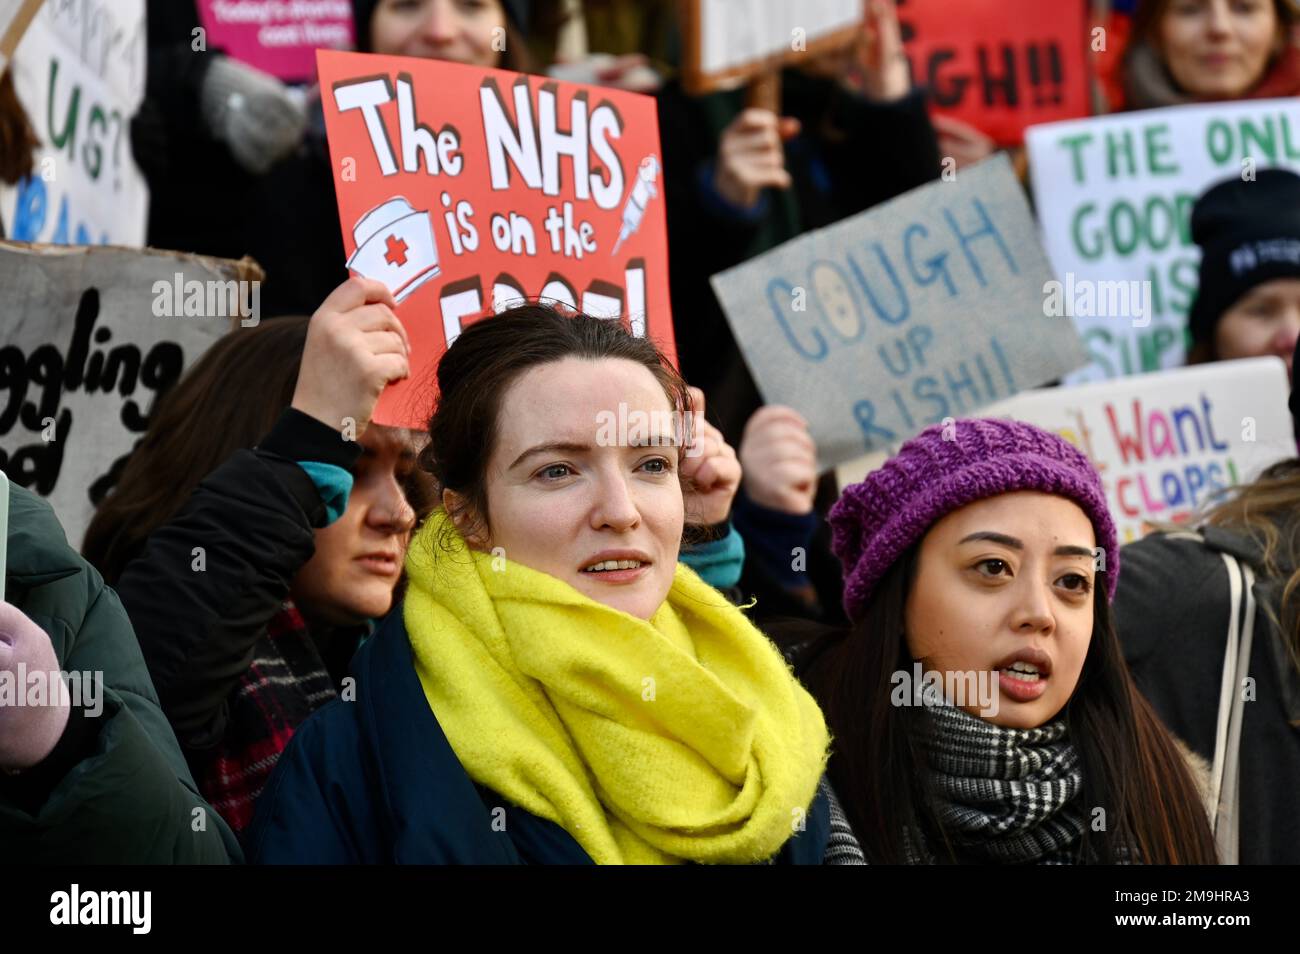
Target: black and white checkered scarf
[[1002, 796]]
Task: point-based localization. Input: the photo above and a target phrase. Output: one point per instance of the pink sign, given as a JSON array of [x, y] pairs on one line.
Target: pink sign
[[279, 37]]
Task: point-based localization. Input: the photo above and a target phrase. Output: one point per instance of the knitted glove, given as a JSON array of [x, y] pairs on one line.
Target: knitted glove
[[27, 733], [253, 113]]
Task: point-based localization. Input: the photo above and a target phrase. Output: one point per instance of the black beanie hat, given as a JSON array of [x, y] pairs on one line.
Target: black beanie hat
[[1249, 233], [363, 10]]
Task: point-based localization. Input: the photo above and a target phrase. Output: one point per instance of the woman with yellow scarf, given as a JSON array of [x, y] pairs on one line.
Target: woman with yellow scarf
[[556, 686]]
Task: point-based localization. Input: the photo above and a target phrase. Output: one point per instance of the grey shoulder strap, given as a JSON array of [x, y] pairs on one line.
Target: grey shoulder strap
[[1225, 778]]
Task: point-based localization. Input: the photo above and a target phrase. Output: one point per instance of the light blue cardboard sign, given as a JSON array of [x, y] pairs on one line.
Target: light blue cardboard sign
[[928, 306]]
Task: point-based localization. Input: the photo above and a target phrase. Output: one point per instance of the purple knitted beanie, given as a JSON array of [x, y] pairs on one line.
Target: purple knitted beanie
[[875, 521]]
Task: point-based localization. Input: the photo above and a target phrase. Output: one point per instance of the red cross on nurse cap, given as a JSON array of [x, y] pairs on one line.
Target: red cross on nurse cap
[[395, 245]]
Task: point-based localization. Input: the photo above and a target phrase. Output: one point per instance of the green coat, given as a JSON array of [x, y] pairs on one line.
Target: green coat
[[130, 799]]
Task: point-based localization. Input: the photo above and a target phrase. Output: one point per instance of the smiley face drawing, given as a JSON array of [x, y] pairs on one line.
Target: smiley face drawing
[[837, 301]]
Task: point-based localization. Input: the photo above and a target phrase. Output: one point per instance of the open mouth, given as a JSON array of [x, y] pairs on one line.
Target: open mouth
[[617, 566], [1023, 675], [607, 566], [1022, 681], [1023, 672]]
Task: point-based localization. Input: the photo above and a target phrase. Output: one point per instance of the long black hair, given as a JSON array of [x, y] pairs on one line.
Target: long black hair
[[1132, 767]]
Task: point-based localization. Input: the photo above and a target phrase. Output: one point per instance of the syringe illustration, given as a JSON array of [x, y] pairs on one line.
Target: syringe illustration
[[643, 190]]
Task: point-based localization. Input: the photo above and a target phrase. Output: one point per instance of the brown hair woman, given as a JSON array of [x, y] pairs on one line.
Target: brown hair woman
[[559, 687], [252, 541], [1184, 51]]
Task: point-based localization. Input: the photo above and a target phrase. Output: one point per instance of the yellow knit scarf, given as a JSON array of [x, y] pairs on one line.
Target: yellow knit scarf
[[684, 738]]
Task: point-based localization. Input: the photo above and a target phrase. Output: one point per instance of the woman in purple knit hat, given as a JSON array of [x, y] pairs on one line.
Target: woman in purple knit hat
[[981, 708]]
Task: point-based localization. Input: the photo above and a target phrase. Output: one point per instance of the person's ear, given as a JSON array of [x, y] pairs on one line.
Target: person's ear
[[457, 507]]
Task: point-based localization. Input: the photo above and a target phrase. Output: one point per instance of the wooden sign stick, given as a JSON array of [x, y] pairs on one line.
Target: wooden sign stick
[[764, 90]]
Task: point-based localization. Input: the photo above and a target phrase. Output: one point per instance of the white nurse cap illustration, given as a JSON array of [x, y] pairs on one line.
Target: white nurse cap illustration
[[395, 245]]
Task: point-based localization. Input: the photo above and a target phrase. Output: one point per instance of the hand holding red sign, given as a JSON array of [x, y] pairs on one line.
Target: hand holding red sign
[[355, 348], [880, 54], [999, 65], [962, 141], [464, 190]]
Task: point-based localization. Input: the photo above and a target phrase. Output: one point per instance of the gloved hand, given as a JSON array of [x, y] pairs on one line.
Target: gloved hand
[[27, 733], [253, 113]]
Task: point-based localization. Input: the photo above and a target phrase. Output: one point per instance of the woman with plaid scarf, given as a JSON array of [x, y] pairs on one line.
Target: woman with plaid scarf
[[981, 708], [252, 539]]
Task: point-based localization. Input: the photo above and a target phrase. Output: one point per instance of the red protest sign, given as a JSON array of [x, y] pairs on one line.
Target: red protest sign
[[464, 189], [1000, 65], [276, 36]]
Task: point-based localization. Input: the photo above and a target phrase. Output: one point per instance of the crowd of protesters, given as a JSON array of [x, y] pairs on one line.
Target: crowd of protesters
[[498, 641]]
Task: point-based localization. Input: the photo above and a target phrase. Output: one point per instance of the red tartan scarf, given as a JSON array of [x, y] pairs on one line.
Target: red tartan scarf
[[286, 683]]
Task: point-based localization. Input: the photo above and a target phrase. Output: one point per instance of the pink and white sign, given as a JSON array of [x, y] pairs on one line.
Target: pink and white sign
[[279, 37]]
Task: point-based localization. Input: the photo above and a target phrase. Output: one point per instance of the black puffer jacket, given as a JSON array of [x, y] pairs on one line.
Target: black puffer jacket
[[232, 681], [1171, 610]]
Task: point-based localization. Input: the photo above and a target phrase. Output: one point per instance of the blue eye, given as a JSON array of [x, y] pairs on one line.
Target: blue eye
[[549, 471], [663, 465]]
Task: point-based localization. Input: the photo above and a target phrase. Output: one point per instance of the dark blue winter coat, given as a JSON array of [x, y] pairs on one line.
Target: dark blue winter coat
[[375, 781]]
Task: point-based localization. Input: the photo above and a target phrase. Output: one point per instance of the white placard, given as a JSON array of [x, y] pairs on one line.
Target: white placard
[[92, 337], [735, 33], [80, 74], [1162, 442], [1114, 197]]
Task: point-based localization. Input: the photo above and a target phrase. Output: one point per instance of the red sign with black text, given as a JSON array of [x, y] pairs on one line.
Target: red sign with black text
[[999, 65], [467, 189]]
